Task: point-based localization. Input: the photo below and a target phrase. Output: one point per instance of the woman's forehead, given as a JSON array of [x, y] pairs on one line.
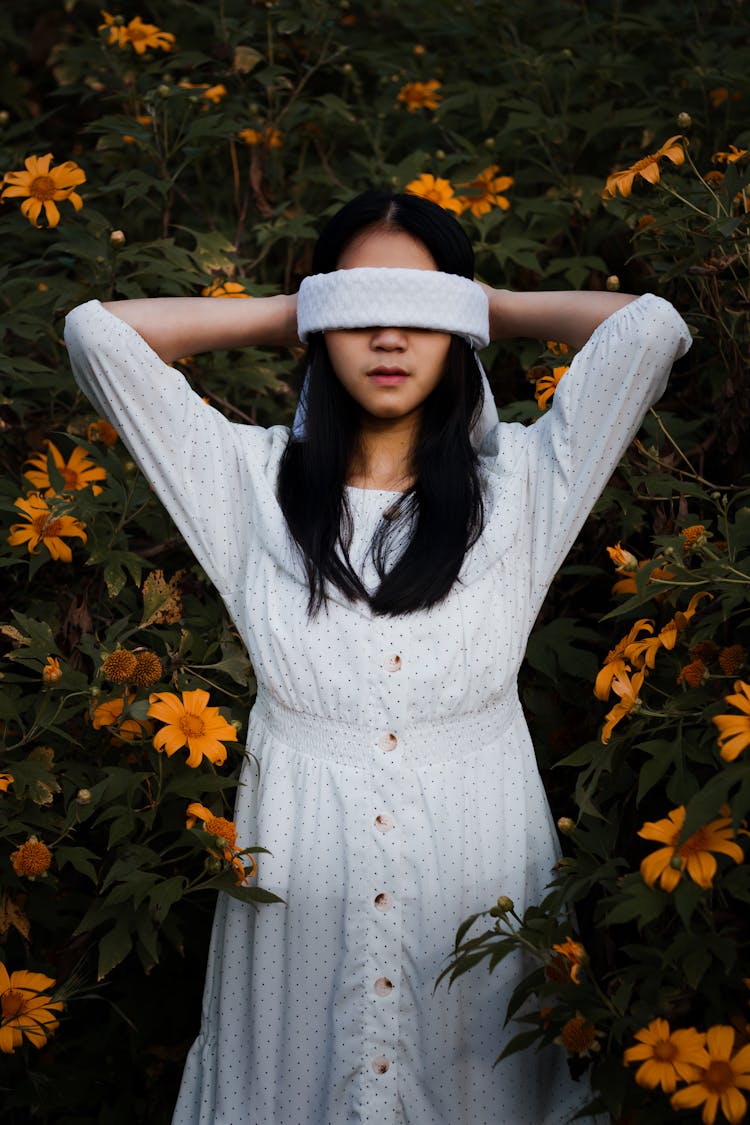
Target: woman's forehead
[[380, 247]]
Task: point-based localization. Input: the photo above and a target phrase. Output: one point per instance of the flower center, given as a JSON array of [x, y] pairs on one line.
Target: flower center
[[47, 527], [718, 1077], [13, 1004], [42, 187], [225, 829], [665, 1050], [192, 726], [137, 33]]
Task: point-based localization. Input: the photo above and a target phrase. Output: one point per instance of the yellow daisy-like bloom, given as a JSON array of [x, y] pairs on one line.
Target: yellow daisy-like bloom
[[191, 722], [269, 137], [734, 730], [44, 187], [546, 385], [420, 95], [31, 859], [26, 1009], [575, 955], [647, 168], [77, 472], [720, 1081], [220, 288], [45, 527], [109, 714], [693, 856], [224, 830], [579, 1036], [141, 36], [731, 157], [51, 672], [486, 192], [6, 780], [667, 1057], [215, 93], [627, 688], [615, 663], [101, 430], [437, 190]]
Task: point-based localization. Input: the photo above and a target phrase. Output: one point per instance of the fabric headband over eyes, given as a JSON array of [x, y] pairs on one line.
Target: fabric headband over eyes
[[375, 296]]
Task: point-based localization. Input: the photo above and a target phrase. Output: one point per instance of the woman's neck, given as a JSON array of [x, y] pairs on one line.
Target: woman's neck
[[384, 457]]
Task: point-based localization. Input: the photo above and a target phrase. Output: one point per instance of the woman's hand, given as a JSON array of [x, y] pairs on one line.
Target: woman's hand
[[566, 316], [178, 326]]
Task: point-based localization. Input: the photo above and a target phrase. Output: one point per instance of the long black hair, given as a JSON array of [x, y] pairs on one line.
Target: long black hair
[[442, 514]]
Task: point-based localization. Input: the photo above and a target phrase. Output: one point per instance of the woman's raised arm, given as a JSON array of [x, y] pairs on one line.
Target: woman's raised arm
[[567, 316], [178, 326]]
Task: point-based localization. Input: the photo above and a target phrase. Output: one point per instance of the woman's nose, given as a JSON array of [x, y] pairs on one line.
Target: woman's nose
[[388, 339]]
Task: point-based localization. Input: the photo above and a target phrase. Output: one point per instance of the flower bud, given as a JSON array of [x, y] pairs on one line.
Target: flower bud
[[117, 238], [566, 825], [440, 154], [130, 468], [684, 120], [236, 723], [489, 142], [163, 91], [505, 904], [347, 68], [418, 49], [612, 283], [677, 862], [83, 797], [212, 865], [4, 117]]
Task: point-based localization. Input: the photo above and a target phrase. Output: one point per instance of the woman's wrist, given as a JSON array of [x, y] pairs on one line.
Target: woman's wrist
[[569, 316]]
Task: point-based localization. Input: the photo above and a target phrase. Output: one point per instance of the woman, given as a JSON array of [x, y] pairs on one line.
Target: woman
[[384, 564]]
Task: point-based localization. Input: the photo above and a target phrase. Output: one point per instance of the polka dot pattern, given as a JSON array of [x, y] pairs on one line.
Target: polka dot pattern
[[398, 789]]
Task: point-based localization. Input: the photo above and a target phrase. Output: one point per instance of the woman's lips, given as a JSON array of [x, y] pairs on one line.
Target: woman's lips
[[387, 376]]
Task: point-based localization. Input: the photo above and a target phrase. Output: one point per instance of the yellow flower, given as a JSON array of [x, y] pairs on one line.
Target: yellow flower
[[26, 1009], [190, 721], [77, 473], [420, 95], [615, 663], [101, 430], [486, 189], [269, 137], [644, 651], [666, 1056], [720, 1080], [647, 168], [628, 690], [734, 730], [138, 34], [224, 831], [45, 527], [579, 1036], [215, 93], [437, 190], [220, 288], [52, 672], [666, 865], [6, 780], [623, 560], [32, 858], [108, 714], [44, 187], [546, 385], [730, 157], [575, 955]]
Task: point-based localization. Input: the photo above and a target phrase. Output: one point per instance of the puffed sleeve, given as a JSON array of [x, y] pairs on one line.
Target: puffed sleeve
[[599, 405], [206, 470]]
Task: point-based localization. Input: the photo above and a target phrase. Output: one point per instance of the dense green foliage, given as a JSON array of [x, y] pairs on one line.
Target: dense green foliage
[[212, 160]]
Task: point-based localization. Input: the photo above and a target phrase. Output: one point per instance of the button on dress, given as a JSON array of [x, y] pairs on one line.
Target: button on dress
[[398, 788]]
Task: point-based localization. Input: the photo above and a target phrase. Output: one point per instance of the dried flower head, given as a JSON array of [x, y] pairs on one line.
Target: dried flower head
[[31, 859], [119, 666], [148, 669]]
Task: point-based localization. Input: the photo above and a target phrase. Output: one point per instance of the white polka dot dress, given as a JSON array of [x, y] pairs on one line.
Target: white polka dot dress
[[398, 788]]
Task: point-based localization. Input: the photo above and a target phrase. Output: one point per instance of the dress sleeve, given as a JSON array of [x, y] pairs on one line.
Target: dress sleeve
[[201, 466], [598, 408]]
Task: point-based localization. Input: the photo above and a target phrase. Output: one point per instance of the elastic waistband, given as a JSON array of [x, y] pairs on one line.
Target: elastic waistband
[[440, 740]]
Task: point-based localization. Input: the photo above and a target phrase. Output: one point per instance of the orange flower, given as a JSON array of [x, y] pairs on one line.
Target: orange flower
[[52, 672], [437, 190], [579, 1036], [486, 189], [666, 865], [6, 780], [628, 690], [731, 659], [647, 168], [615, 663], [730, 157], [225, 832], [420, 95], [546, 385], [109, 714], [77, 473], [141, 36], [102, 431], [720, 95], [269, 137], [623, 560], [693, 537], [692, 674], [191, 722], [644, 652], [45, 527], [720, 1080], [44, 187], [26, 1009], [666, 1056], [31, 859], [627, 584], [220, 288], [734, 730], [215, 93], [575, 955]]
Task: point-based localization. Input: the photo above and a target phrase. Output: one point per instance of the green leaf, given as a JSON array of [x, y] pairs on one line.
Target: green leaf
[[114, 946]]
